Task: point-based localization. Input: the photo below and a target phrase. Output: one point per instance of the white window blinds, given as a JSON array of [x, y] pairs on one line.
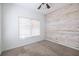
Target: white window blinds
[[28, 27]]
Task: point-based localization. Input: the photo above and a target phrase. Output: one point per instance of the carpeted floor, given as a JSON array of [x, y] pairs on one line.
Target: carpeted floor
[[42, 48]]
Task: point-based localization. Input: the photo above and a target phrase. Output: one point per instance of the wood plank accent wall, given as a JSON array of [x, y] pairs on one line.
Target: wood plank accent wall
[[62, 26]]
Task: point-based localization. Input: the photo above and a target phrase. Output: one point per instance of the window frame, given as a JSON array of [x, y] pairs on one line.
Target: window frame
[[31, 26]]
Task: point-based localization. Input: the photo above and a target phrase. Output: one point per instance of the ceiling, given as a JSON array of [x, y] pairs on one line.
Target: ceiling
[[43, 10]]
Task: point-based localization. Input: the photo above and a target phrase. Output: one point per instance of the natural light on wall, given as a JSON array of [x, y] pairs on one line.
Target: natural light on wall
[[28, 27]]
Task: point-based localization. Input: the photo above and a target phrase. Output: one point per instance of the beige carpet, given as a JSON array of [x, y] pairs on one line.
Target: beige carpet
[[42, 48]]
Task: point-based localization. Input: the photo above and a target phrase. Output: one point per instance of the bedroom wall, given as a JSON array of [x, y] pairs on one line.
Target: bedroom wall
[[10, 26], [0, 28], [62, 26]]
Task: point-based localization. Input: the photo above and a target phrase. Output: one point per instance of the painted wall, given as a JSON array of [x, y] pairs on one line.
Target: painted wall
[[10, 26], [62, 26], [0, 28]]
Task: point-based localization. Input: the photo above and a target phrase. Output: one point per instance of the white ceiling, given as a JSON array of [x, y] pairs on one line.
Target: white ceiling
[[43, 10], [54, 6]]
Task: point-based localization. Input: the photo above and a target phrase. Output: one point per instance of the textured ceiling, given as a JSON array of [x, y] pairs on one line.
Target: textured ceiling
[[43, 10], [54, 6]]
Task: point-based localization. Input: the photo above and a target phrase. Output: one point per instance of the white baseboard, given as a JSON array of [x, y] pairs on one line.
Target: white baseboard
[[30, 41]]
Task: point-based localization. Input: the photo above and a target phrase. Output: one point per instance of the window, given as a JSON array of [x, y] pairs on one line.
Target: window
[[35, 27], [28, 27]]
